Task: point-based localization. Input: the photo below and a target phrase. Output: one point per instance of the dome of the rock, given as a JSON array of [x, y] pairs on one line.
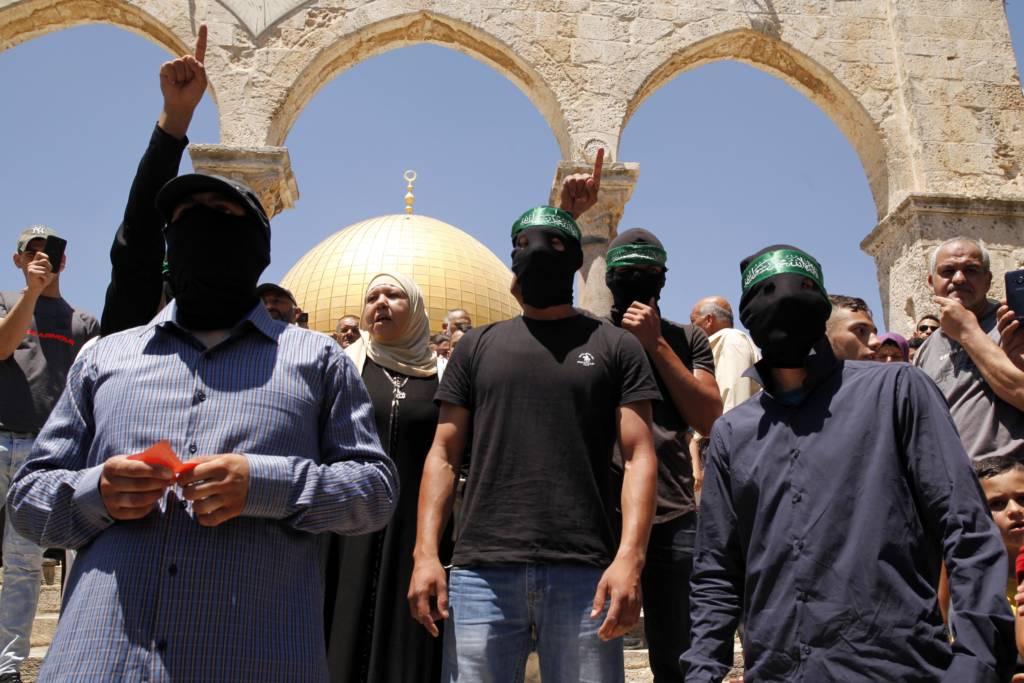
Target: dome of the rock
[[453, 269]]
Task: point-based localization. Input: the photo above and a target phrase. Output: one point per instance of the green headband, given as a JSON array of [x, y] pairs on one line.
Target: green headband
[[547, 217], [779, 262], [627, 255]]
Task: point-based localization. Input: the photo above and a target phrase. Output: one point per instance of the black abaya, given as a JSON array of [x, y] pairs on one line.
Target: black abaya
[[371, 638]]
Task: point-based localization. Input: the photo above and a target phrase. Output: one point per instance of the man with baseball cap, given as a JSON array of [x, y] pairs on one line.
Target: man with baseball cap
[[207, 570], [830, 502], [540, 401], [280, 303], [40, 336]]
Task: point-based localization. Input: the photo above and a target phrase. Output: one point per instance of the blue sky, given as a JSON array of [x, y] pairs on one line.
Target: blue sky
[[731, 159]]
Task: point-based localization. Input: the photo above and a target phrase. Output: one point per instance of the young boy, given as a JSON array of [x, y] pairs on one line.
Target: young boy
[[1002, 480]]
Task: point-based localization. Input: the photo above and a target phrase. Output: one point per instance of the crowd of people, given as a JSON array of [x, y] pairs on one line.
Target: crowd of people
[[248, 500]]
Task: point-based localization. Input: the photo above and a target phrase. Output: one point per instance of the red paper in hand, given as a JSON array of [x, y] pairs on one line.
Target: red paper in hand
[[162, 455], [1020, 566]]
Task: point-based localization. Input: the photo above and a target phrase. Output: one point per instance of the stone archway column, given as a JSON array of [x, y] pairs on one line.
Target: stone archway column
[[599, 225], [903, 241], [267, 170]]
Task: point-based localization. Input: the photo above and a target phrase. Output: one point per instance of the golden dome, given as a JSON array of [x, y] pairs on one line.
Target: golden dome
[[453, 270]]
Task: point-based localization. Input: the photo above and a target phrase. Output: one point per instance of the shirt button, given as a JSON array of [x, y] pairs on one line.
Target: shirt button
[[200, 396], [161, 645], [796, 452], [802, 597], [183, 504], [799, 545], [796, 497], [172, 570], [807, 650], [192, 448]]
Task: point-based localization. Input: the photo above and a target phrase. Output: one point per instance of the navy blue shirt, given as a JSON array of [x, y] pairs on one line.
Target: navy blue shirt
[[824, 524]]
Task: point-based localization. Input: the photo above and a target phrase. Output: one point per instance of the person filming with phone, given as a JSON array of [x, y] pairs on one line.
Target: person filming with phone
[[40, 335], [971, 356]]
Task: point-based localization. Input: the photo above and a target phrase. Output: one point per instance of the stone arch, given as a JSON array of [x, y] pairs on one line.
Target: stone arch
[[21, 22], [797, 69], [410, 29]]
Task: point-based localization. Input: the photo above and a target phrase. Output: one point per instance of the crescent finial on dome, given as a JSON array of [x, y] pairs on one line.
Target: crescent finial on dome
[[410, 178]]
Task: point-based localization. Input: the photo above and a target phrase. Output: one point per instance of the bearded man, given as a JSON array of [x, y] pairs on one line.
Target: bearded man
[[830, 503]]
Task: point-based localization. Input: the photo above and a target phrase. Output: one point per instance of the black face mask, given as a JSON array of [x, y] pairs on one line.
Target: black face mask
[[632, 284], [785, 319], [214, 292], [545, 274]]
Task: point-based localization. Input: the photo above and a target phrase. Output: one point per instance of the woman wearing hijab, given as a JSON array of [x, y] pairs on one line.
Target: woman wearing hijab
[[370, 635], [892, 348]]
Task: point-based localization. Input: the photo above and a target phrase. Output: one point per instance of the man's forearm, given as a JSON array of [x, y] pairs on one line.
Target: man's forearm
[[639, 486], [699, 404], [14, 326], [437, 493], [1005, 378]]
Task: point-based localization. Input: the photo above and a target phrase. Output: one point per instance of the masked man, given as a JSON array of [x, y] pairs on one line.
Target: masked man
[[683, 366], [211, 574], [830, 502], [540, 401]]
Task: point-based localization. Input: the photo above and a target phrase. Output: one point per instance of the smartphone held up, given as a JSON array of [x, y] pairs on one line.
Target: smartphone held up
[[54, 250], [1015, 292]]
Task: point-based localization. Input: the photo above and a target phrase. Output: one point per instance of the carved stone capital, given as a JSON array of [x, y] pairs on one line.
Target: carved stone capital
[[903, 241], [267, 170], [599, 225]]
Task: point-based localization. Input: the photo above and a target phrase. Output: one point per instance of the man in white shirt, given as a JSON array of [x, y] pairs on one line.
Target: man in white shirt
[[733, 350], [734, 353]]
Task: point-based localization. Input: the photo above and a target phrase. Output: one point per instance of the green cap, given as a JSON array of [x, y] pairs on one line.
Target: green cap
[[783, 261], [547, 217], [636, 254]]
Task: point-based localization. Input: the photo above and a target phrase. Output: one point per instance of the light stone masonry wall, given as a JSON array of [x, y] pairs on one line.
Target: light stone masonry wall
[[926, 91]]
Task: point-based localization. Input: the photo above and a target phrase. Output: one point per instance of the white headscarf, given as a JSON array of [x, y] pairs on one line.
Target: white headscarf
[[408, 353]]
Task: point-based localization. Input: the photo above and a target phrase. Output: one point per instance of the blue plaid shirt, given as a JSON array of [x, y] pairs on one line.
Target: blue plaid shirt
[[164, 598]]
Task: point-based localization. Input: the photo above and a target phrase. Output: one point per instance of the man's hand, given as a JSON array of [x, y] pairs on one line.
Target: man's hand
[[645, 324], [620, 583], [955, 320], [579, 191], [38, 275], [428, 594], [217, 487], [183, 82], [131, 488]]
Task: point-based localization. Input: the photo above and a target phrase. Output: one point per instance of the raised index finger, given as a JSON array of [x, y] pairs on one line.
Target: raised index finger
[[200, 54], [598, 165]]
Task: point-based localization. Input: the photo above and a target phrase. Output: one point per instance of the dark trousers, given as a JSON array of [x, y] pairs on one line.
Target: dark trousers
[[666, 586]]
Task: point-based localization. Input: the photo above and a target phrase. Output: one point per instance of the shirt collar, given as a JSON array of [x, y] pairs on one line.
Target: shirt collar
[[257, 319], [821, 362]]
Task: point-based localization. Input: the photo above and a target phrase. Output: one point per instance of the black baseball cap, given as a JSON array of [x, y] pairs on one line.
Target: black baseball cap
[[178, 189], [271, 288]]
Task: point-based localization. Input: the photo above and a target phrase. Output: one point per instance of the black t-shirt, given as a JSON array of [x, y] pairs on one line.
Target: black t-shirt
[[33, 378], [543, 395], [675, 468]]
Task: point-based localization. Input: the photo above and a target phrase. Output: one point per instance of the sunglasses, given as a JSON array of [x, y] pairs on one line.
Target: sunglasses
[[927, 328]]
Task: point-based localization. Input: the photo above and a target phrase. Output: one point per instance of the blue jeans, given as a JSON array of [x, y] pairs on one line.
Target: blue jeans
[[23, 561], [499, 613], [666, 584]]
